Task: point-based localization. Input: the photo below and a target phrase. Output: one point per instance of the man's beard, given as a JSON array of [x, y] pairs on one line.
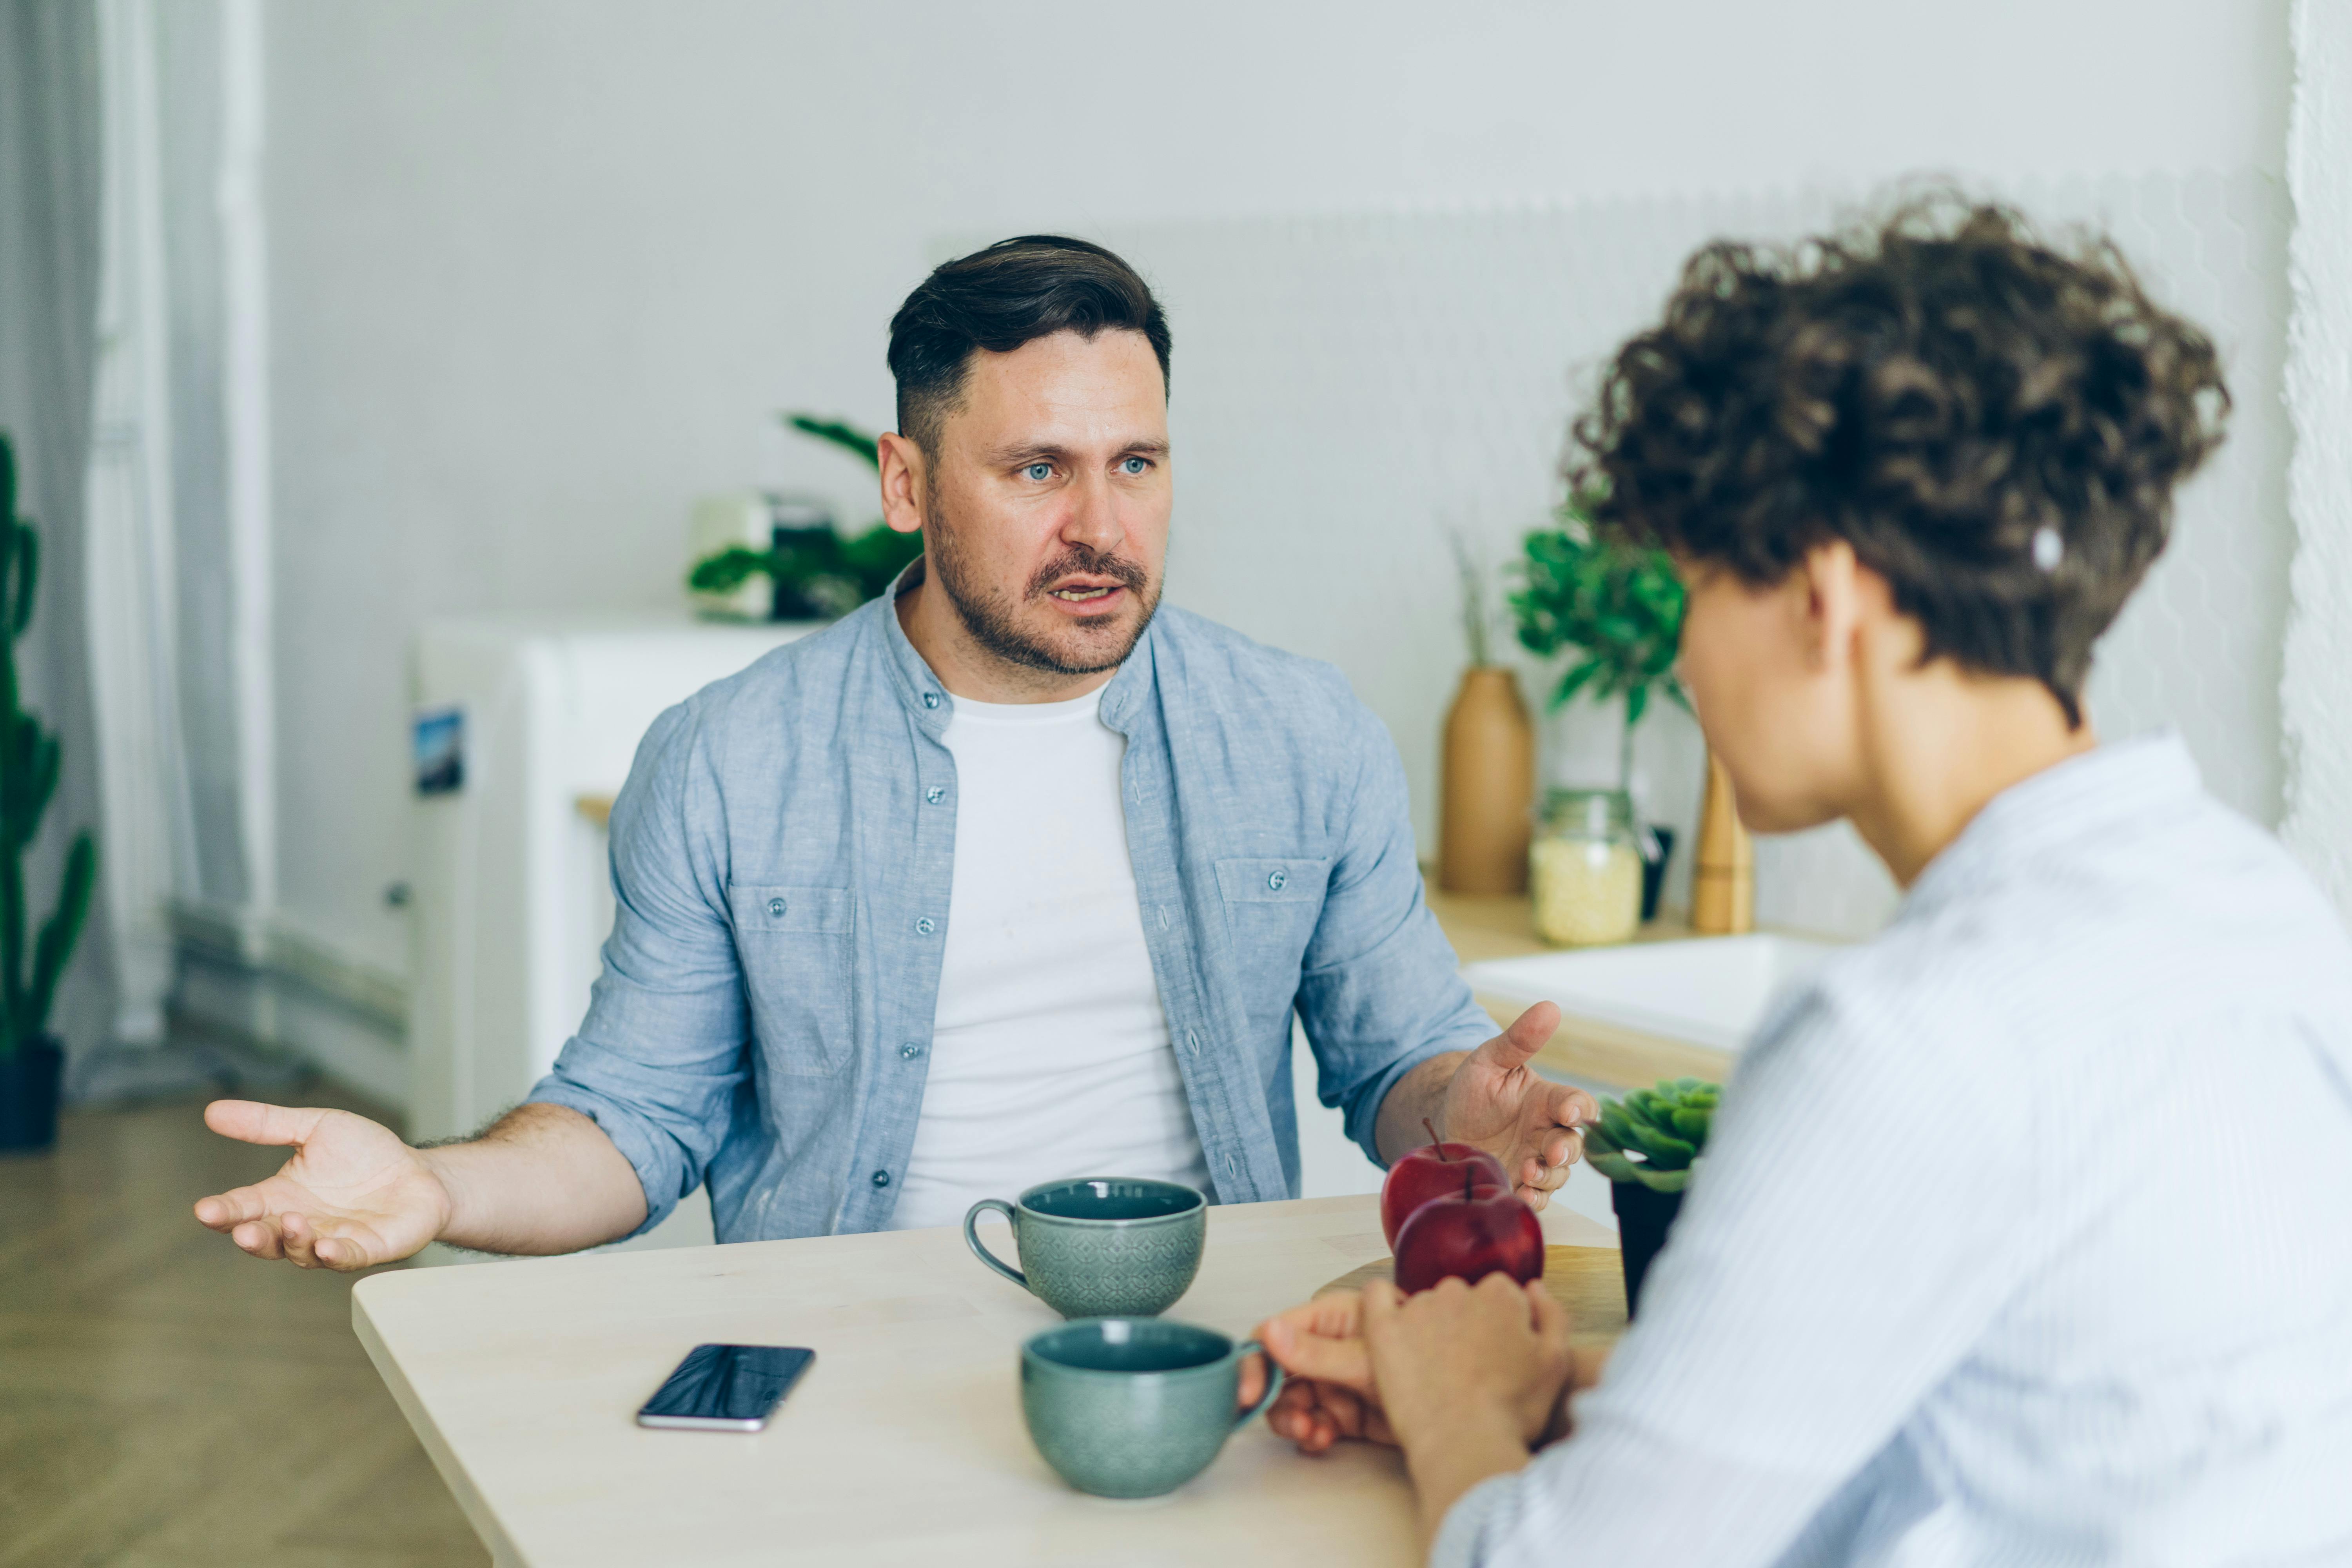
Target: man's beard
[[992, 619]]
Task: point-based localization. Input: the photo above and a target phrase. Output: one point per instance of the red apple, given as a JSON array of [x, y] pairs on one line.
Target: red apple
[[1430, 1172], [1468, 1234]]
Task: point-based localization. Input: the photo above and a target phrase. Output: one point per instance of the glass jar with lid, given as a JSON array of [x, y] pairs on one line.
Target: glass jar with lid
[[1584, 868]]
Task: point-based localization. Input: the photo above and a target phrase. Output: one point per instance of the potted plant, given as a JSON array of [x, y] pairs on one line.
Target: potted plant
[[816, 571], [1619, 607], [31, 1060], [1647, 1145]]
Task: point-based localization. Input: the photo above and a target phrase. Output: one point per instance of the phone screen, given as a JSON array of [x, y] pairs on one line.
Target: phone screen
[[726, 1388]]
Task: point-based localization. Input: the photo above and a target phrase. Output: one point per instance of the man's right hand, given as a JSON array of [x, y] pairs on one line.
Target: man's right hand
[[352, 1196]]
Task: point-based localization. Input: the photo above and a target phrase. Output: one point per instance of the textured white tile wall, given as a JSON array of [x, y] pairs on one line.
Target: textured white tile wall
[[2318, 694], [1347, 388]]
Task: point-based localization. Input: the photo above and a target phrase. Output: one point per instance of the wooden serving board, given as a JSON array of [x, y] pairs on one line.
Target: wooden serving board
[[1590, 1281]]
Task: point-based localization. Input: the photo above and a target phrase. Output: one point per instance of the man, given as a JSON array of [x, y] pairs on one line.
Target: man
[[2020, 1237], [1003, 878]]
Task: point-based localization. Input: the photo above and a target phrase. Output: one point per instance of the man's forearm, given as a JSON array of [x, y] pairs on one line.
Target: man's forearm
[[542, 1179], [1418, 1096]]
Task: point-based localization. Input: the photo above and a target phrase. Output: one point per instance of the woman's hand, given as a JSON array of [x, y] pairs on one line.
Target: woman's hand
[[1457, 1353], [1321, 1348], [1469, 1377]]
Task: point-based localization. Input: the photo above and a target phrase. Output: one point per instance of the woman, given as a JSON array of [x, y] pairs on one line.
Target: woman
[[2023, 1233]]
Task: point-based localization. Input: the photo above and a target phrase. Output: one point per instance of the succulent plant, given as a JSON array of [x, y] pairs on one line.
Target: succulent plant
[[1653, 1136]]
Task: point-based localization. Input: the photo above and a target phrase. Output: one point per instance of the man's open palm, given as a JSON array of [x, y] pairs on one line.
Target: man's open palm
[[1531, 1125], [353, 1196]]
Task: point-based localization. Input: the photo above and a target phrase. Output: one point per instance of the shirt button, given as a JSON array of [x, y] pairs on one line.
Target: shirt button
[[911, 1050], [1276, 877], [881, 1178], [775, 909], [935, 794], [926, 926], [931, 698], [1192, 1043]]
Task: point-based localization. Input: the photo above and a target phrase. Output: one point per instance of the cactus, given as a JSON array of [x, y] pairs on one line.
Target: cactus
[[1653, 1136], [29, 777]]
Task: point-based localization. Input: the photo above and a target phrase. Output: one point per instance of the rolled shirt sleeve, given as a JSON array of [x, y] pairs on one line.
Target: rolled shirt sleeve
[[660, 1058], [1380, 990]]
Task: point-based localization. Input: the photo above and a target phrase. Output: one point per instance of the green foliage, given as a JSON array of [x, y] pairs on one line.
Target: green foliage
[[29, 763], [833, 572], [1653, 1136], [1619, 607]]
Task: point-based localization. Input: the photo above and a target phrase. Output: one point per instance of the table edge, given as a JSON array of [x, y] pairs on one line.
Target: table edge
[[470, 1500]]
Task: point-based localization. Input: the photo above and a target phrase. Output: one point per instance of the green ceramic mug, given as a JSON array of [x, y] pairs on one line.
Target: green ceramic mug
[[1100, 1246], [1133, 1407]]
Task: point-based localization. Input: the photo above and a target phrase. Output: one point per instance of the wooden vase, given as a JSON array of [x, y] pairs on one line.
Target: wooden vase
[[1487, 786], [1723, 871]]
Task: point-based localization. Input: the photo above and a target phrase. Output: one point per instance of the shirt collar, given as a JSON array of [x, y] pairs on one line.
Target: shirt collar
[[927, 698], [2118, 784]]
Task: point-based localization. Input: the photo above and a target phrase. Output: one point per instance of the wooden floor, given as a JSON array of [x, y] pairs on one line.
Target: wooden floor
[[167, 1402]]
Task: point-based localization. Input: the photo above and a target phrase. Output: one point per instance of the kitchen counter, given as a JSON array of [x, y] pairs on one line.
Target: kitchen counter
[[1588, 1051], [904, 1445]]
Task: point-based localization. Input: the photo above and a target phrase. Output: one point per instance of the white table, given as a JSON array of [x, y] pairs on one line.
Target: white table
[[903, 1445]]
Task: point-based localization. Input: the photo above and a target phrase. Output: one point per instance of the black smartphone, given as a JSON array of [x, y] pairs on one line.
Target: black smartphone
[[726, 1388]]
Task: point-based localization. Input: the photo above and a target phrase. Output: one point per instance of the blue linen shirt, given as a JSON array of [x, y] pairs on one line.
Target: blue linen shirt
[[781, 861]]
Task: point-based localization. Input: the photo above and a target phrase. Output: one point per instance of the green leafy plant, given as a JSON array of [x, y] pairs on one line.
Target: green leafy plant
[[833, 572], [29, 761], [1653, 1136], [1617, 606]]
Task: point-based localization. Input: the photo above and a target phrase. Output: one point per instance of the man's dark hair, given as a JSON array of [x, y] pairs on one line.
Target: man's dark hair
[[1014, 292], [1996, 427]]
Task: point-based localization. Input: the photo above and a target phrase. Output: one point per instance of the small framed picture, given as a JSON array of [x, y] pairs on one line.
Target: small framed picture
[[438, 741]]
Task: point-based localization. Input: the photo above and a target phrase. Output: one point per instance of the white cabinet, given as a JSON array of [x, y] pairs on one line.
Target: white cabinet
[[513, 898]]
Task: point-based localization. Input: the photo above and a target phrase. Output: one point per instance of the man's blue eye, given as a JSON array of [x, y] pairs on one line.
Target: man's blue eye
[[1039, 471], [1134, 465]]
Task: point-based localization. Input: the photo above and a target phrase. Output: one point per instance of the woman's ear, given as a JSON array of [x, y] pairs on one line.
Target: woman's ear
[[901, 462], [1826, 595]]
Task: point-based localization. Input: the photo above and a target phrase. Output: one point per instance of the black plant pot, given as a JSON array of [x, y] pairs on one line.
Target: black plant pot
[[29, 1076], [1653, 871], [1643, 1218]]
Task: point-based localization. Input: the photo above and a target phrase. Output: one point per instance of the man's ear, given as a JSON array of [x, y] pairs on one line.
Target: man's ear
[[1829, 578], [903, 480]]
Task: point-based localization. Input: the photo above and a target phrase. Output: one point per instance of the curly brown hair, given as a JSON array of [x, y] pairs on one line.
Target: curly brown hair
[[1994, 425]]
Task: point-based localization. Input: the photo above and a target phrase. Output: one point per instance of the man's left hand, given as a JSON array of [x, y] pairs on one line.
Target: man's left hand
[[1535, 1128]]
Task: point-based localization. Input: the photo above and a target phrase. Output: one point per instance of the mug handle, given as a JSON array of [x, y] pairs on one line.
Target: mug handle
[[972, 1239], [1274, 1381]]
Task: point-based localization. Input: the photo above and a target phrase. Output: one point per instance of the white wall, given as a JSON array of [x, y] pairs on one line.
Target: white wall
[[540, 272]]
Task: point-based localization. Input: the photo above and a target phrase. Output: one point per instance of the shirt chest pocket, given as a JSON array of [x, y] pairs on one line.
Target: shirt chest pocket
[[1272, 904], [798, 948]]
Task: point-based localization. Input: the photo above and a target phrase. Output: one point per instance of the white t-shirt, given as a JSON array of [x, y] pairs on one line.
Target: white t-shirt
[[1050, 1055]]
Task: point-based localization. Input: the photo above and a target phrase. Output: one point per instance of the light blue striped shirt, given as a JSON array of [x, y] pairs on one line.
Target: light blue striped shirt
[[2024, 1236]]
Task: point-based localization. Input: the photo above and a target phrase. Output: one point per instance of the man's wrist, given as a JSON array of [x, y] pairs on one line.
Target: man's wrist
[[444, 1175], [1420, 1093]]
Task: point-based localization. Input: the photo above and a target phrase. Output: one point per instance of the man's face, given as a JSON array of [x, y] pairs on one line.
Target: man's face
[[1045, 515]]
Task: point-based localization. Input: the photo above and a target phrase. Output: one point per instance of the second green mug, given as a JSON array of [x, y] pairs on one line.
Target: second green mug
[[1100, 1246]]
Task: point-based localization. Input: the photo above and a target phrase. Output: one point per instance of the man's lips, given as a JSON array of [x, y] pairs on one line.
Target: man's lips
[[1085, 596]]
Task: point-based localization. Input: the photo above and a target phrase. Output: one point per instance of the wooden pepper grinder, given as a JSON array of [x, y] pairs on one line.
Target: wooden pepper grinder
[[1723, 876], [1487, 786]]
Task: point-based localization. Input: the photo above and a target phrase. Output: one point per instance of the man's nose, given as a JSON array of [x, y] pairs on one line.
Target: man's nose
[[1093, 517]]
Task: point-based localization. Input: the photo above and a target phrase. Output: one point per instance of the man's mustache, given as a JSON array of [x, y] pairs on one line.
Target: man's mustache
[[1079, 561]]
